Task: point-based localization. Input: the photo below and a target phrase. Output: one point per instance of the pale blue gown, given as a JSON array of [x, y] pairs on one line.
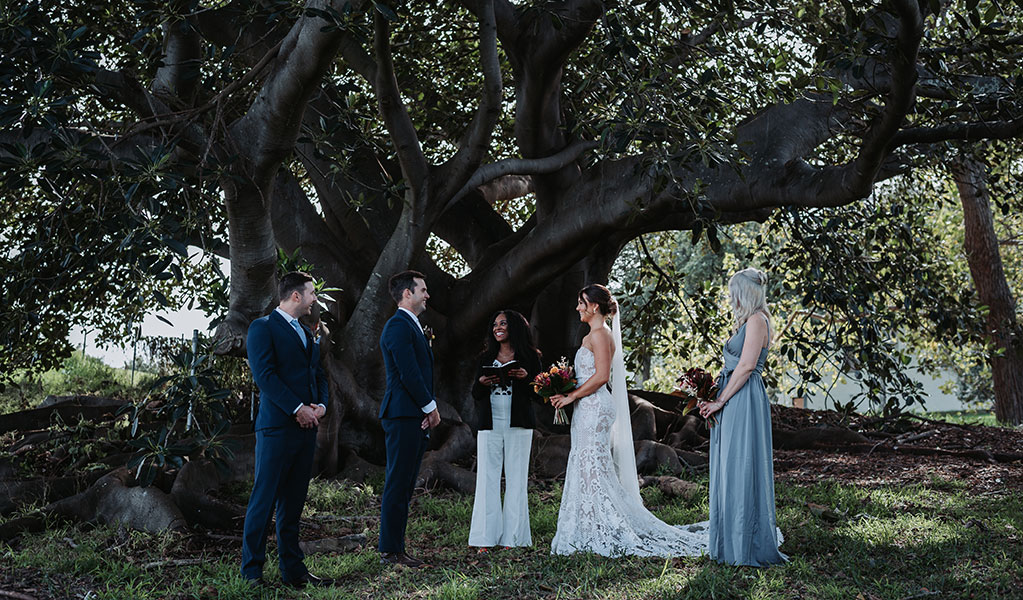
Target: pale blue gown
[[742, 518]]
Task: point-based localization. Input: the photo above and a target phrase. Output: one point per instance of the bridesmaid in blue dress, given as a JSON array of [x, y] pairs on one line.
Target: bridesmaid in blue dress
[[742, 518]]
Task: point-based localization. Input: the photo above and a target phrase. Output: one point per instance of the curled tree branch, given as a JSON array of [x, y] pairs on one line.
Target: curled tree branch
[[796, 183], [522, 166], [859, 176]]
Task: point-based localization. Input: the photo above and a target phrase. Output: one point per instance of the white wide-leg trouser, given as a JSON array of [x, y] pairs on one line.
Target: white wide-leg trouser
[[491, 525]]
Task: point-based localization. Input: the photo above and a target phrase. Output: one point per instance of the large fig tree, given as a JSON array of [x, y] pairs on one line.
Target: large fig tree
[[507, 150]]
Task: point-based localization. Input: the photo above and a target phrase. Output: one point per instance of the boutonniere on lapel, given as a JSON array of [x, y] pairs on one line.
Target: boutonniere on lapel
[[428, 332]]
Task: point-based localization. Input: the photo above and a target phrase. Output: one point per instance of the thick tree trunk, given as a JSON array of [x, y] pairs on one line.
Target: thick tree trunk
[[253, 262], [1003, 331]]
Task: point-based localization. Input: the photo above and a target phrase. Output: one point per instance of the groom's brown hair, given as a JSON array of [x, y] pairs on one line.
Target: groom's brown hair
[[406, 280], [293, 282]]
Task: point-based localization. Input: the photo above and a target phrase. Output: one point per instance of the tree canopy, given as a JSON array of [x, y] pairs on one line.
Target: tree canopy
[[510, 151]]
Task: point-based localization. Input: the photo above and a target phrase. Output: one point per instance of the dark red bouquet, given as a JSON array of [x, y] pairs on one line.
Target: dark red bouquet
[[695, 385]]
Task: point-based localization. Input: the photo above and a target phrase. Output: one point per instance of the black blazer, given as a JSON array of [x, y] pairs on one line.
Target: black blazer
[[522, 395]]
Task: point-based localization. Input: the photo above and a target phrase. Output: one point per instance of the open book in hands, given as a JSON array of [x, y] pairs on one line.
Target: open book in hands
[[501, 372]]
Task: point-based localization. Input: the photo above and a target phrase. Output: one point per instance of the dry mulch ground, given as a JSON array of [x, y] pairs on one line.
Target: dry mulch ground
[[884, 467]]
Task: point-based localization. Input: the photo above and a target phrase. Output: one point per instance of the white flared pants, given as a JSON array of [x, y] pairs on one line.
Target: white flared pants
[[492, 524]]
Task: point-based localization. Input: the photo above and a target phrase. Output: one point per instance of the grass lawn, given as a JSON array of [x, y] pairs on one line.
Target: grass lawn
[[974, 416], [80, 374], [930, 540]]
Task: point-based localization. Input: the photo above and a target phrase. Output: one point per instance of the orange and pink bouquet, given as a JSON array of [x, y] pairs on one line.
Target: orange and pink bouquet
[[559, 379]]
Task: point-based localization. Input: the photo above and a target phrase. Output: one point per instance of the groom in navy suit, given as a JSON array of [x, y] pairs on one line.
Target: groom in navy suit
[[407, 412], [285, 362]]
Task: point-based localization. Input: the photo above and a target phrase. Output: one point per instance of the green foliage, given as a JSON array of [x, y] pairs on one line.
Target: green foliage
[[873, 292], [185, 415], [96, 232]]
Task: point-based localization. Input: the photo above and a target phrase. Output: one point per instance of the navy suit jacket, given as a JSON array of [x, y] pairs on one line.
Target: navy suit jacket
[[409, 364], [287, 373]]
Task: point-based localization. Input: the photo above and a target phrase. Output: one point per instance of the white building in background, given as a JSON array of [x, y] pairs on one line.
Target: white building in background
[[845, 388]]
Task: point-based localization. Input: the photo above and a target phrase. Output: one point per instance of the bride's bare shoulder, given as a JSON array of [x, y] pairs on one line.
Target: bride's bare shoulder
[[599, 338]]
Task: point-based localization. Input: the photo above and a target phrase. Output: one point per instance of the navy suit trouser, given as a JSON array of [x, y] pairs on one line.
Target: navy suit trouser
[[405, 441], [284, 463]]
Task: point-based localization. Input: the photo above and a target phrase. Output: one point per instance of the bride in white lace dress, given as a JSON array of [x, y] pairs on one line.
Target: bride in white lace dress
[[601, 509]]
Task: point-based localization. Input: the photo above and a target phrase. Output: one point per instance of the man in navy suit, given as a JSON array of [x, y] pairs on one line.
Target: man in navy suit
[[407, 412], [285, 362]]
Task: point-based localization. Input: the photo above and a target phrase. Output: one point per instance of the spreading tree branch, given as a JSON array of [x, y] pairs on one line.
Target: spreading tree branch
[[477, 143], [797, 183], [392, 110], [966, 132]]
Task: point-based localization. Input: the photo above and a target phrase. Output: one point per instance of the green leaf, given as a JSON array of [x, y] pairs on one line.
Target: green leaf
[[697, 230]]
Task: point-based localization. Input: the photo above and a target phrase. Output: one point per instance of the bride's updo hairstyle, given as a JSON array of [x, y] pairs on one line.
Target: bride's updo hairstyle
[[600, 296], [747, 293]]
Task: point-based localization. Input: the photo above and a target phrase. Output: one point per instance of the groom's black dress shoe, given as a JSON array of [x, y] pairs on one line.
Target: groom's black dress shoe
[[309, 579], [400, 558]]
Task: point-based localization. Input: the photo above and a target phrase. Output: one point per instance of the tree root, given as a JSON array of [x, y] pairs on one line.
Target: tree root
[[15, 494], [672, 486], [435, 471], [802, 439], [354, 467], [452, 441], [72, 408], [109, 500], [112, 500], [549, 456], [983, 455], [653, 456]]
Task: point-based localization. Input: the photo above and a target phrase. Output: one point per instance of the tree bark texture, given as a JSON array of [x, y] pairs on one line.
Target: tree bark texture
[[1002, 329]]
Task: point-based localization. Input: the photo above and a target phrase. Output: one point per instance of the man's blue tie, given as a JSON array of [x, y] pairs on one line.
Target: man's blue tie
[[298, 328]]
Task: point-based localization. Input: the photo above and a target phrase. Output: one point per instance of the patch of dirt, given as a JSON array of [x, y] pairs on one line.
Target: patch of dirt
[[885, 467], [35, 584]]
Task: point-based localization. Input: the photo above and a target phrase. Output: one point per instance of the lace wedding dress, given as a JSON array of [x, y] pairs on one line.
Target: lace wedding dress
[[601, 512]]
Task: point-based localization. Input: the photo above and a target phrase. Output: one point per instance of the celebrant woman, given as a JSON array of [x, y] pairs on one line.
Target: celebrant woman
[[504, 396]]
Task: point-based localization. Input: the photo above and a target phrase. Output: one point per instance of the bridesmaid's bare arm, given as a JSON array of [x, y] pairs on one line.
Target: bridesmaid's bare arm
[[756, 340]]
